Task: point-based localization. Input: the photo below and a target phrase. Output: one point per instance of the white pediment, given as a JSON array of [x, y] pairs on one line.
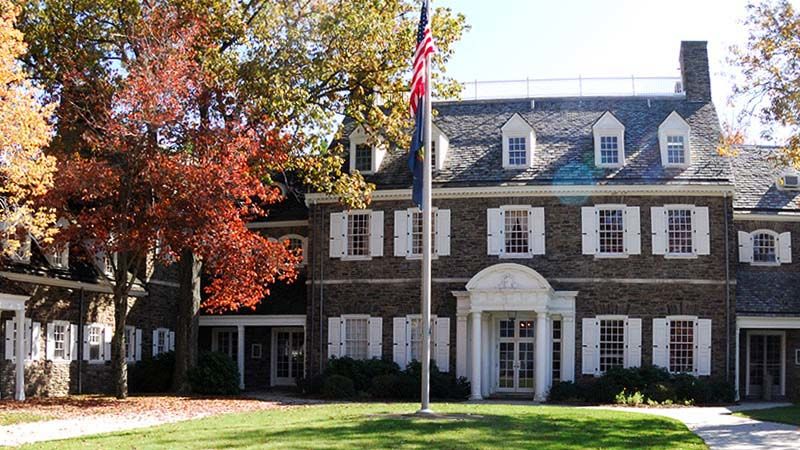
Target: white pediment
[[608, 121], [674, 122], [508, 277]]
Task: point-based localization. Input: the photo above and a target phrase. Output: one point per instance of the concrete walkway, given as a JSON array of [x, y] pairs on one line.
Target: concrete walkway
[[720, 429]]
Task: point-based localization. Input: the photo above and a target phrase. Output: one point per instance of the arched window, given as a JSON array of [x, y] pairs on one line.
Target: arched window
[[296, 242], [765, 247]]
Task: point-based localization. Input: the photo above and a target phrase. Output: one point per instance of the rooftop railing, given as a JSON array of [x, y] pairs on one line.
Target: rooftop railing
[[572, 87]]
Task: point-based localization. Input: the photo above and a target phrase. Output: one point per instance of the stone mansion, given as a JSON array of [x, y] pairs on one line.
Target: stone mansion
[[571, 235]]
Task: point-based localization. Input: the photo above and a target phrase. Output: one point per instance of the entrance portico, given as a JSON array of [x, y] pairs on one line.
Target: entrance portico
[[511, 324], [16, 303]]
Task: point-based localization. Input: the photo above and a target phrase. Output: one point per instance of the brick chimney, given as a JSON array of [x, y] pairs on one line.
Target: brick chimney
[[694, 71]]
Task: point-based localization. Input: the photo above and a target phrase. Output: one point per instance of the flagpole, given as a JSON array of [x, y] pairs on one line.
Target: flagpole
[[426, 237]]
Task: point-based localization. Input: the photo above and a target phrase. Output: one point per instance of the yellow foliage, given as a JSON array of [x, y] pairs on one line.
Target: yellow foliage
[[26, 173]]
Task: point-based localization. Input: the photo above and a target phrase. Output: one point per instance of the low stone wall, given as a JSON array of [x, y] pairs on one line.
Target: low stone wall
[[57, 379]]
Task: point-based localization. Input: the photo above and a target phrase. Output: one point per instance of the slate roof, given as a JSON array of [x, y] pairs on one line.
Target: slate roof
[[755, 177], [564, 151], [767, 293]]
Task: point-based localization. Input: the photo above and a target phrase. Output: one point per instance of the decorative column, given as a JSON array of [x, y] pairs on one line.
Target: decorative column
[[19, 382], [475, 372], [461, 345], [568, 348], [240, 354], [736, 359], [541, 357]]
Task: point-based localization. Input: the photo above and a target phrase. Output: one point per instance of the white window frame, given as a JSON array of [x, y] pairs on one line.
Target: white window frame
[[234, 340], [130, 343], [611, 207], [100, 328], [303, 244], [776, 240], [609, 126], [347, 256], [531, 231], [359, 137], [409, 337], [600, 320], [345, 318], [682, 318], [410, 234], [690, 208], [159, 332], [781, 183], [67, 340], [517, 127], [441, 146], [675, 125]]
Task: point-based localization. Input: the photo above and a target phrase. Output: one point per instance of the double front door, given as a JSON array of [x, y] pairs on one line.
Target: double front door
[[515, 355], [288, 352], [765, 364]]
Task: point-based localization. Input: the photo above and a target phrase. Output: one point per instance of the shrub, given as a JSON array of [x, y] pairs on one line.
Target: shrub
[[215, 374], [338, 386], [633, 399], [152, 374], [361, 372], [565, 391], [310, 385]]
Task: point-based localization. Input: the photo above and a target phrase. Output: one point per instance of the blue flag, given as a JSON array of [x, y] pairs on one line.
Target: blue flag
[[416, 157]]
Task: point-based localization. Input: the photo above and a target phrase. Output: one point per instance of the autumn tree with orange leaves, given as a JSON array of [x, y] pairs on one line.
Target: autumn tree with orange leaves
[[26, 173]]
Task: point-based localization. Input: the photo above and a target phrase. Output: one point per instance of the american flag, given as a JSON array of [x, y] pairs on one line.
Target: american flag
[[425, 47]]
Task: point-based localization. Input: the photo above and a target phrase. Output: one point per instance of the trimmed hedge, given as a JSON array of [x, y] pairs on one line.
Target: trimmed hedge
[[151, 375], [346, 378], [215, 374], [645, 384]]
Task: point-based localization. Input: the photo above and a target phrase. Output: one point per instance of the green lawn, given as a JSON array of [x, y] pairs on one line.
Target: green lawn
[[11, 418], [348, 426], [785, 414]]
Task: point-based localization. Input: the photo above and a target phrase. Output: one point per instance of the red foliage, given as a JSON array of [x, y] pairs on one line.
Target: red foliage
[[175, 163]]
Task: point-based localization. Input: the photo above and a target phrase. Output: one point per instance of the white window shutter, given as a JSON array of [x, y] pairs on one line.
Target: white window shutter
[[700, 226], [138, 346], [400, 341], [589, 230], [28, 338], [86, 342], [49, 348], [334, 337], [36, 336], [155, 342], [633, 231], [171, 341], [376, 233], [590, 353], [658, 226], [704, 347], [494, 231], [745, 247], [338, 230], [401, 233], [633, 346], [785, 248], [107, 336], [9, 339], [375, 338], [442, 232], [536, 227], [441, 344], [73, 343], [660, 343]]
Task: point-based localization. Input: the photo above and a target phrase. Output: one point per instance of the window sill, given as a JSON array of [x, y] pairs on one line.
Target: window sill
[[356, 258], [681, 256], [517, 167], [765, 264], [96, 362], [676, 166], [418, 257], [610, 255], [610, 166], [515, 256]]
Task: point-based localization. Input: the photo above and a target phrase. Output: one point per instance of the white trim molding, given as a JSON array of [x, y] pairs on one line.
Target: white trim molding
[[704, 190], [277, 224], [254, 320], [765, 322], [102, 286], [782, 216]]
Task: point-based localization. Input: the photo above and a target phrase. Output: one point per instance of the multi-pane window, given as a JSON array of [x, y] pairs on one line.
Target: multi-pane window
[[363, 157], [415, 338], [130, 343], [226, 342], [516, 232], [676, 149], [556, 350], [611, 231], [612, 343], [416, 233], [355, 338], [59, 340], [95, 343], [609, 150], [161, 342], [764, 248], [679, 231], [681, 346], [517, 151], [358, 234]]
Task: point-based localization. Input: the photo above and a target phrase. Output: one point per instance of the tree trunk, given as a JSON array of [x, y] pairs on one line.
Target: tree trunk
[[119, 366], [187, 323]]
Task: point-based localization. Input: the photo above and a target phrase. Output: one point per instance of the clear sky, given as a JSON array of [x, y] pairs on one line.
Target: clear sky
[[515, 39]]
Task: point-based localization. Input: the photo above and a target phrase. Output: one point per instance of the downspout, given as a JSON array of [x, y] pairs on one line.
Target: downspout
[[321, 291], [80, 341], [727, 295]]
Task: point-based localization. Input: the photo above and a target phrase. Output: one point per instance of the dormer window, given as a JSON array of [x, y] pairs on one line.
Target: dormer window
[[439, 146], [58, 256], [789, 180], [673, 138], [519, 141], [364, 156], [609, 141]]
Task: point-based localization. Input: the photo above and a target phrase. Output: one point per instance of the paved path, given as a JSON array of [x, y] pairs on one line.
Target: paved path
[[722, 430]]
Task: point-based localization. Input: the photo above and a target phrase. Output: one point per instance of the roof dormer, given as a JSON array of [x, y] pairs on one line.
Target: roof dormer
[[365, 157], [674, 141], [440, 144], [519, 141], [609, 141], [789, 180]]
